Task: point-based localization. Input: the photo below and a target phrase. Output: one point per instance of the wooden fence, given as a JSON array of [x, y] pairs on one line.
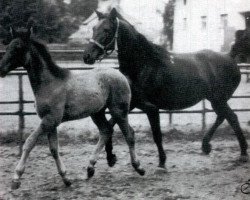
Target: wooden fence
[[245, 69]]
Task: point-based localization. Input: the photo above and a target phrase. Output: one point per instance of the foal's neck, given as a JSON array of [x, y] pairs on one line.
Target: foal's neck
[[41, 68]]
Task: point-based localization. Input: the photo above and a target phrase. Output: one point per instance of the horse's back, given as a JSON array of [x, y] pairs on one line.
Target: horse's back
[[218, 71]]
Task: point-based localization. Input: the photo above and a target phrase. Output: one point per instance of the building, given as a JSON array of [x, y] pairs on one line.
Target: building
[[144, 15], [208, 24]]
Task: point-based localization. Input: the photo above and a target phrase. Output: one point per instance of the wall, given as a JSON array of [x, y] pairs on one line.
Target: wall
[[215, 36]]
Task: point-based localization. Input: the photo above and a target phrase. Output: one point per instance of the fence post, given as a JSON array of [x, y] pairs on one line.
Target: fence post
[[21, 122], [203, 114], [170, 118]]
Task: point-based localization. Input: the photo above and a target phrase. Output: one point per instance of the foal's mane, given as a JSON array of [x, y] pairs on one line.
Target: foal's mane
[[44, 53]]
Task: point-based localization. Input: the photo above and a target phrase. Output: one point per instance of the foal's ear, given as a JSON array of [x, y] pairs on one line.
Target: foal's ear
[[99, 14], [113, 14]]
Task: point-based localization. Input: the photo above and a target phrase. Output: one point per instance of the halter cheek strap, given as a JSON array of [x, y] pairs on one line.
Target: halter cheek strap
[[105, 48]]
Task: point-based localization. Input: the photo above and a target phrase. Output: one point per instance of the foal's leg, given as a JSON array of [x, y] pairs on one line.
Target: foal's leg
[[121, 117], [206, 146], [105, 133], [27, 147], [53, 146]]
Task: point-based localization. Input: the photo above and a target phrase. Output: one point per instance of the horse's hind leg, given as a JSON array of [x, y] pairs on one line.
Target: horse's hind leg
[[53, 145], [206, 146], [225, 111], [120, 114], [105, 133]]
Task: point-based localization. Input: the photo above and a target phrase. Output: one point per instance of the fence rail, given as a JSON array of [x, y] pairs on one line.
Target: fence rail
[[245, 69]]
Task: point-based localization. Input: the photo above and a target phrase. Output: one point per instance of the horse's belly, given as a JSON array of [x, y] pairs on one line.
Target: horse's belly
[[178, 98]]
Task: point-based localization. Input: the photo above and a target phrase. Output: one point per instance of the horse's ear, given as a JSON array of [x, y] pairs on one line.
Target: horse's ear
[[12, 32], [99, 14], [113, 14]]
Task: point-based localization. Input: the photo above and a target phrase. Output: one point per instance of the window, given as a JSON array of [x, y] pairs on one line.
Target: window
[[184, 27], [223, 21], [203, 22]]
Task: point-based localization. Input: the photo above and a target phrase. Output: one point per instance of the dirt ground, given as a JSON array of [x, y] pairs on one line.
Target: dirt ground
[[189, 175]]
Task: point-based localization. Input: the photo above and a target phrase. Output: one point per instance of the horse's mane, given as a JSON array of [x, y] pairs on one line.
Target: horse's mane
[[149, 48], [43, 51]]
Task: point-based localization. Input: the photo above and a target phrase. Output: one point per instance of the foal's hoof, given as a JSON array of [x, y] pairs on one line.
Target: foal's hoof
[[206, 148], [15, 184], [244, 158], [141, 171], [67, 182], [112, 160], [91, 172]]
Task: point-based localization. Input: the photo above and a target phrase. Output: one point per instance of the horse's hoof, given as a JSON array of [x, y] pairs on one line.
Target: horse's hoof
[[112, 160], [206, 148], [141, 171], [244, 158], [67, 182], [15, 184], [160, 170], [162, 166], [90, 171]]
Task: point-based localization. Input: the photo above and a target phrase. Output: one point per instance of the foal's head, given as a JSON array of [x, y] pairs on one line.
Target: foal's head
[[104, 37], [16, 52]]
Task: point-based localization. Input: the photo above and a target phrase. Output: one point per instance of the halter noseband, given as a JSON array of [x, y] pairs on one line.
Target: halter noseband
[[105, 48]]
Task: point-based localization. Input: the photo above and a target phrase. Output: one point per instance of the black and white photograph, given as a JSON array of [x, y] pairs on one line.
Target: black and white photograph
[[124, 99]]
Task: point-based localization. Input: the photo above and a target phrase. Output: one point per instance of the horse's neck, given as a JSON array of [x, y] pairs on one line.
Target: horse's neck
[[128, 50], [134, 51]]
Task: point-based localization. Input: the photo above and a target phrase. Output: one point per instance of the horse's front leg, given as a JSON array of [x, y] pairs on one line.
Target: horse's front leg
[[54, 146], [154, 120], [111, 158]]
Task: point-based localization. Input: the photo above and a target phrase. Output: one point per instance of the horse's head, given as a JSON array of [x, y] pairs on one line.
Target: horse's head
[[16, 51], [104, 37]]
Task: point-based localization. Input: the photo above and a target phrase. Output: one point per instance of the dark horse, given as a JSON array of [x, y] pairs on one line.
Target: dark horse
[[163, 80], [62, 95], [241, 46]]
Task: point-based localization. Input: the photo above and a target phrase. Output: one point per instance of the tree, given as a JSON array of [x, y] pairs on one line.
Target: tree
[[168, 20], [83, 8], [52, 22]]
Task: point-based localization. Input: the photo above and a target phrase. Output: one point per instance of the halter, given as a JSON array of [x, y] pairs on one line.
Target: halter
[[105, 48]]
